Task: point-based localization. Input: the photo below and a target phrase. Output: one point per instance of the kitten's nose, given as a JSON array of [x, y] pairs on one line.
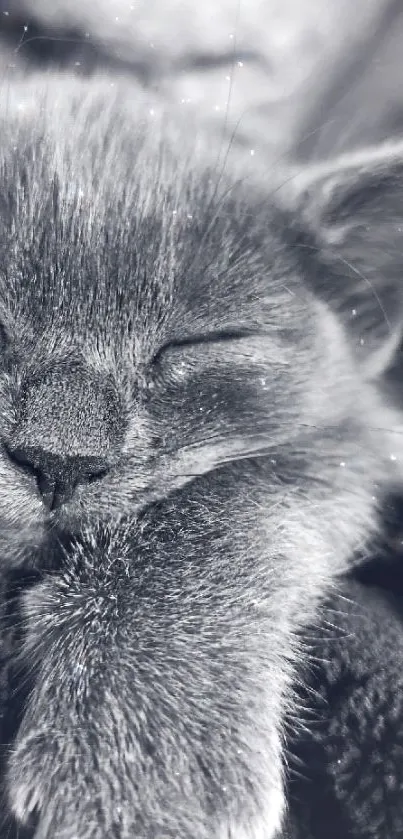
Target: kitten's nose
[[58, 476], [68, 430]]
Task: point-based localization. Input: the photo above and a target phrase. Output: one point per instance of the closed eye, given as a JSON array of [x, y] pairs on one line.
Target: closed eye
[[206, 338]]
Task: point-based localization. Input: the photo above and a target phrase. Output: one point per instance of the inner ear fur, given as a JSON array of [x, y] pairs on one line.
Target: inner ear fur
[[348, 219]]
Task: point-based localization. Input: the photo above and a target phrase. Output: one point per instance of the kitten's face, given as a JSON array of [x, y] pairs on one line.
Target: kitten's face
[[173, 314], [187, 419]]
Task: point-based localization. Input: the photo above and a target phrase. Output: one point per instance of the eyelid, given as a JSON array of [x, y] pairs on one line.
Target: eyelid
[[209, 338]]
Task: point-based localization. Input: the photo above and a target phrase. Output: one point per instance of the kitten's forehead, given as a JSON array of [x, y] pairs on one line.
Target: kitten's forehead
[[121, 228]]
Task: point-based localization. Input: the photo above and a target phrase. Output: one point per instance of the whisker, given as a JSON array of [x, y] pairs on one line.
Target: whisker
[[370, 286], [230, 90], [356, 271]]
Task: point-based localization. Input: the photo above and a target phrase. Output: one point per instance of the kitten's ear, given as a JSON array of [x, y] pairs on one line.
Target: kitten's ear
[[352, 215]]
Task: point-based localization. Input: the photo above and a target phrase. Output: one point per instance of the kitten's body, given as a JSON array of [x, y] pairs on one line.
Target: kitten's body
[[163, 330]]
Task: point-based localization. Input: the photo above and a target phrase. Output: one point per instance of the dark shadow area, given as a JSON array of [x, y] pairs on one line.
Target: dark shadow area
[[41, 47], [346, 763]]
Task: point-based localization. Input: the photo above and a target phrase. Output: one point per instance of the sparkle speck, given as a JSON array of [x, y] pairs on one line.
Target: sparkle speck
[[217, 107], [393, 457], [189, 216], [263, 382], [6, 13], [240, 63], [353, 313], [362, 342], [228, 78], [252, 152], [342, 463], [152, 112]]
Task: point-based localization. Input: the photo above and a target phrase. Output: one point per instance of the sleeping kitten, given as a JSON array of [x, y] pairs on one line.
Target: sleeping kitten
[[194, 443]]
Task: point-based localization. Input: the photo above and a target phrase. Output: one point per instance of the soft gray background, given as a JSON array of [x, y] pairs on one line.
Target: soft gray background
[[278, 71]]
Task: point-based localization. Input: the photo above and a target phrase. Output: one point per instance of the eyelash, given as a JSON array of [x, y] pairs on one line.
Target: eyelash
[[194, 340]]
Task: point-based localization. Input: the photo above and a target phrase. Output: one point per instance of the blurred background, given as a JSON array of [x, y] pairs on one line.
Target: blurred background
[[315, 75]]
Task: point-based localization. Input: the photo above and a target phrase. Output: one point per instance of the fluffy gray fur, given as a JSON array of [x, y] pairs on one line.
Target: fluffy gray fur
[[190, 328]]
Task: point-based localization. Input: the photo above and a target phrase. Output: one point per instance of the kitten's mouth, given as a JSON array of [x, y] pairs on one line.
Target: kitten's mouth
[[51, 554], [33, 544], [62, 518]]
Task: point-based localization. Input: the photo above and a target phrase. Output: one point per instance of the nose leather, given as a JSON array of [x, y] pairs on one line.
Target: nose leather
[[68, 430], [58, 476]]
